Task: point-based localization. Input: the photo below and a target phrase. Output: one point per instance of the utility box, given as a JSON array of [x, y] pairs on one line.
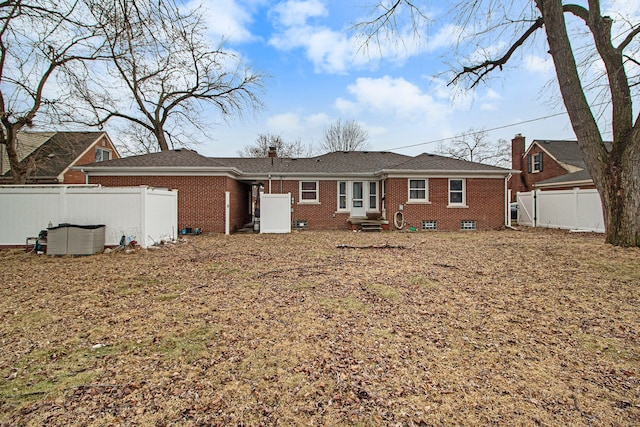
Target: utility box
[[71, 239]]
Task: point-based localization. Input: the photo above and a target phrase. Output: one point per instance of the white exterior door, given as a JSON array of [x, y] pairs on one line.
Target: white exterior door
[[358, 200]]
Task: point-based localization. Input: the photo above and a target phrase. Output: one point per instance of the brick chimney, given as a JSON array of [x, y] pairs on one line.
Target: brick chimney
[[516, 183], [517, 151], [272, 152]]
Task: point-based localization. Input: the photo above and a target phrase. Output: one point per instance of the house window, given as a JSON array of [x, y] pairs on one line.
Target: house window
[[429, 224], [456, 192], [468, 225], [373, 195], [535, 163], [102, 154], [342, 195], [308, 191], [417, 190]]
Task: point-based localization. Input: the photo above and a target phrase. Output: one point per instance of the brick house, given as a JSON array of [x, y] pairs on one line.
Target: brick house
[[53, 154], [338, 190], [547, 165]]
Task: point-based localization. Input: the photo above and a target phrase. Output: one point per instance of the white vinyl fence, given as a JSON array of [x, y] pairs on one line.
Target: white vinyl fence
[[146, 215], [575, 209], [275, 213]]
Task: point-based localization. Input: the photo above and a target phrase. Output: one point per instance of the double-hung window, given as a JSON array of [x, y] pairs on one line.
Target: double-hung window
[[457, 192], [535, 163], [342, 195], [418, 190], [309, 192], [373, 195], [102, 154]]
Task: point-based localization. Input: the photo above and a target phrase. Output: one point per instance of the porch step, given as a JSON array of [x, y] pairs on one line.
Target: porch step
[[371, 226]]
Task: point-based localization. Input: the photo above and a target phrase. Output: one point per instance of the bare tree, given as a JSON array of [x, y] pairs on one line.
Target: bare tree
[[615, 172], [162, 72], [474, 146], [39, 40], [265, 142], [347, 136]]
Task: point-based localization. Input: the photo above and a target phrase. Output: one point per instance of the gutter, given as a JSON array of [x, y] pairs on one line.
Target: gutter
[[146, 170]]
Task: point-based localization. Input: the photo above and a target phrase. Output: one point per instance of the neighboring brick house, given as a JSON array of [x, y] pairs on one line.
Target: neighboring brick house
[[53, 154], [333, 191], [545, 164]]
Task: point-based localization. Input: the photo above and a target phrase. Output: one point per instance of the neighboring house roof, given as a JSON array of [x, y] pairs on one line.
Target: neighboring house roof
[[52, 152], [338, 163], [568, 155], [581, 177]]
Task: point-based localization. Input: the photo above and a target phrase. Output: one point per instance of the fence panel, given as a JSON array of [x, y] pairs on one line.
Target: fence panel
[[526, 209], [140, 213], [566, 209]]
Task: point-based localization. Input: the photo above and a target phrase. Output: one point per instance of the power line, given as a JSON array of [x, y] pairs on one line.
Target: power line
[[476, 132]]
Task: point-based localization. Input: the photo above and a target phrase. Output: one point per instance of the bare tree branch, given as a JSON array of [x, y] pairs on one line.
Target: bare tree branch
[[481, 70], [347, 136]]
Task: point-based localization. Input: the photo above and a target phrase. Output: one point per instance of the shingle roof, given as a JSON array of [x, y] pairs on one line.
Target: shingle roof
[[336, 163], [56, 150], [581, 175], [565, 151], [433, 162], [171, 158]]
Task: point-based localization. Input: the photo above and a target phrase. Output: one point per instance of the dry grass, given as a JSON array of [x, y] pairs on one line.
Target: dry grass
[[514, 328]]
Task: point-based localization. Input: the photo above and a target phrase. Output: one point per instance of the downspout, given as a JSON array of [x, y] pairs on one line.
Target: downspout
[[86, 176], [507, 214], [507, 202], [269, 176]]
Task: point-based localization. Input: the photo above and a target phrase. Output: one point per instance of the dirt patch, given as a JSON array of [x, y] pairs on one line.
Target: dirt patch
[[338, 328]]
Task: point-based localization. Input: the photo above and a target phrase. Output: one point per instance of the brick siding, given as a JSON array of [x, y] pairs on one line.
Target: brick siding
[[484, 198], [320, 216]]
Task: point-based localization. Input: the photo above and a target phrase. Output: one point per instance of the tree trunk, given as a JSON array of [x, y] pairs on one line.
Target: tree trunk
[[162, 139], [19, 171], [616, 174], [620, 196]]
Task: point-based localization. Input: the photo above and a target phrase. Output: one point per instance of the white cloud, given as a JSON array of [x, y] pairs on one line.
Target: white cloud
[[394, 97], [538, 64], [295, 13], [226, 19], [293, 125], [329, 51], [337, 50]]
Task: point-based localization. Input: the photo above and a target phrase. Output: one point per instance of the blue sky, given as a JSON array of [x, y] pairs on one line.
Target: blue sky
[[318, 72]]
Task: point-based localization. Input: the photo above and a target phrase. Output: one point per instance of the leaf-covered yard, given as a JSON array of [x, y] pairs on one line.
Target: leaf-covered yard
[[505, 327]]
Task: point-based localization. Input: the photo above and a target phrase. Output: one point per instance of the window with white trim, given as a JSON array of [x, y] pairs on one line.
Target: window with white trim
[[102, 154], [308, 191], [373, 195], [535, 163], [457, 192], [342, 195], [418, 190]]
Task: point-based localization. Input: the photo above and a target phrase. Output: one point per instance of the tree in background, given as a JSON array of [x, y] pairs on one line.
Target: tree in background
[[162, 73], [344, 136], [265, 142], [475, 146], [578, 36], [40, 40]]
